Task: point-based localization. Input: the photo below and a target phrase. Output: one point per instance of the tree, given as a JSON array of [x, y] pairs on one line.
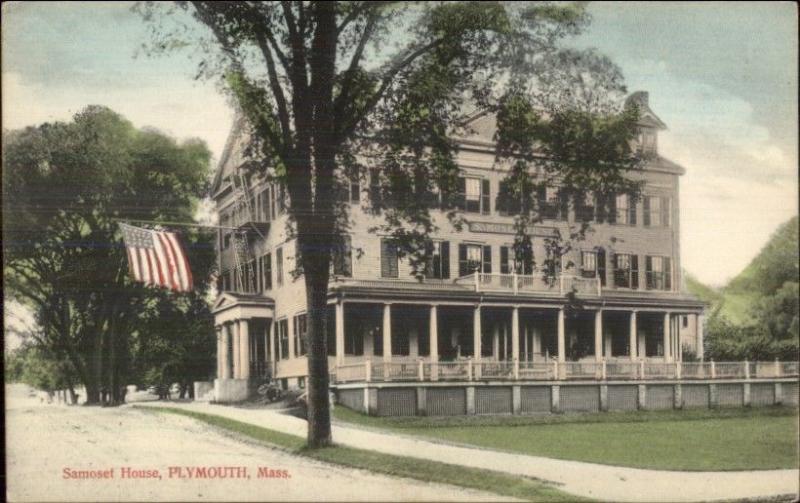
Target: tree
[[64, 186], [176, 342], [331, 89]]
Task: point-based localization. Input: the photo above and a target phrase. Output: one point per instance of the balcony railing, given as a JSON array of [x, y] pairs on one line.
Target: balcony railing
[[605, 370], [520, 284]]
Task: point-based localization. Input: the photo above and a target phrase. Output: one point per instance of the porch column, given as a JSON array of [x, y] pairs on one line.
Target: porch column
[[273, 348], [244, 341], [433, 335], [667, 338], [699, 330], [633, 337], [226, 356], [598, 335], [339, 333], [496, 341], [476, 333], [515, 334], [237, 351], [218, 330], [562, 356], [290, 337], [387, 332]]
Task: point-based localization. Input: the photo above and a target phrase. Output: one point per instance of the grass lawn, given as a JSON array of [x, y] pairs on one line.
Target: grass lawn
[[697, 440], [413, 468]]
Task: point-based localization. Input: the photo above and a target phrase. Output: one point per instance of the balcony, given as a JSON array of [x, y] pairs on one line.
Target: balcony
[[522, 284]]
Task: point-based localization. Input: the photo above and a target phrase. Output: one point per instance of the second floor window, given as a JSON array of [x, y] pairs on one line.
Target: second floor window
[[593, 265], [474, 258], [389, 259], [626, 270], [658, 273], [279, 266], [439, 265], [509, 264], [657, 211], [300, 326]]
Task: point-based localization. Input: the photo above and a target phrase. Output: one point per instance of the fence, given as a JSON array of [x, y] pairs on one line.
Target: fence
[[612, 370]]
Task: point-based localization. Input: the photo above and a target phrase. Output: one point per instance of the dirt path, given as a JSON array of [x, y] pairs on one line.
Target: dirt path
[[43, 440], [609, 483]]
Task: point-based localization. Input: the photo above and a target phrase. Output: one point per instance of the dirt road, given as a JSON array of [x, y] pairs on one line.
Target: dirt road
[[49, 445]]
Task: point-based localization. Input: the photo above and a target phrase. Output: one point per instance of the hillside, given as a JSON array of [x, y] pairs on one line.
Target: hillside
[[776, 264]]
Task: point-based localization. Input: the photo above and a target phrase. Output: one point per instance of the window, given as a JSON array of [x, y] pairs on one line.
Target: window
[[685, 321], [439, 265], [225, 221], [342, 259], [389, 265], [658, 273], [225, 281], [279, 266], [584, 207], [375, 187], [474, 195], [282, 331], [355, 191], [301, 382], [626, 270], [509, 265], [472, 258], [263, 206], [300, 328], [266, 272], [589, 264], [249, 272], [657, 211], [625, 210]]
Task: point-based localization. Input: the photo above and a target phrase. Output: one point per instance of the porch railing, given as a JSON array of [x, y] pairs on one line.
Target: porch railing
[[611, 370], [520, 284]]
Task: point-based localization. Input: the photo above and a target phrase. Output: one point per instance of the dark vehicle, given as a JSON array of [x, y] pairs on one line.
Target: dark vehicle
[[270, 392]]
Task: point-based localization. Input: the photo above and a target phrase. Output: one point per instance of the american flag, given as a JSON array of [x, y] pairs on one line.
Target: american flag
[[157, 258]]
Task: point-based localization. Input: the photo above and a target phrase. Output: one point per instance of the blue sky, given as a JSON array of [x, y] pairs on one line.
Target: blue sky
[[723, 76]]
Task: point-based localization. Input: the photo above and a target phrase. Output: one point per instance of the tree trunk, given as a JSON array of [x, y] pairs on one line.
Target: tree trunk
[[319, 414]]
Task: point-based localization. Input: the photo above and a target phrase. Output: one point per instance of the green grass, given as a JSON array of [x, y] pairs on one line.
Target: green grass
[[693, 440], [428, 471]]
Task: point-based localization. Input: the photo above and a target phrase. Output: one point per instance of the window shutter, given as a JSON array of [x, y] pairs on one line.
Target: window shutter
[[268, 271], [646, 207], [648, 272], [504, 269], [444, 249], [463, 267], [634, 271], [611, 206], [485, 197], [601, 266], [461, 196], [631, 211], [487, 259], [388, 260], [665, 211], [667, 273]]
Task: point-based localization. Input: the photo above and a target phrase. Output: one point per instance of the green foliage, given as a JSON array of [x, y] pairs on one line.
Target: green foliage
[[64, 186], [756, 315], [775, 265]]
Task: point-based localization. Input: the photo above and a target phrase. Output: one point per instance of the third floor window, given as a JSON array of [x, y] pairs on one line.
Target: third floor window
[[657, 211]]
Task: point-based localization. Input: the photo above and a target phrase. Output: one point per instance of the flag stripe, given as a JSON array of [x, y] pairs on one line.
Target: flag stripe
[[154, 271], [172, 269], [130, 262], [136, 274], [180, 259], [143, 265], [163, 265]]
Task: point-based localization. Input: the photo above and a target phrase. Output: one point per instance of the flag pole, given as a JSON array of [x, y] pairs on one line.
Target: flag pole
[[180, 224]]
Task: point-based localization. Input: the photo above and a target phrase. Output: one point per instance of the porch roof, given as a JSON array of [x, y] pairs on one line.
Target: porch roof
[[231, 306]]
